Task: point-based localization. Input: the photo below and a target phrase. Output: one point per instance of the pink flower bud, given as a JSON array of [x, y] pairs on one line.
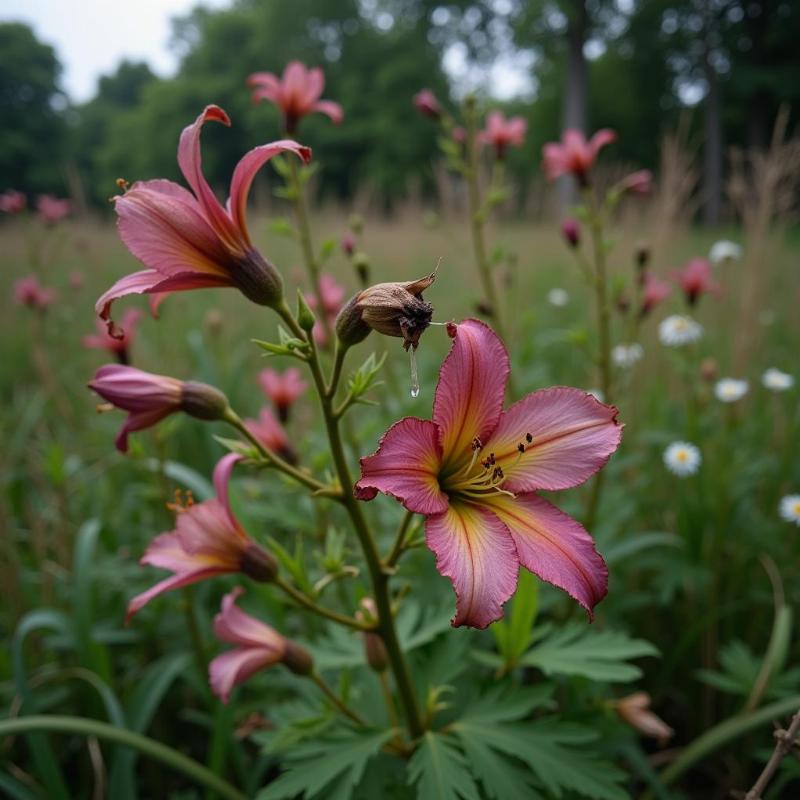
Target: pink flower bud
[[426, 103], [571, 231]]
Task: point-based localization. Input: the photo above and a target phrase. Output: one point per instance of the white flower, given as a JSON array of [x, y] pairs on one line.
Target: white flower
[[724, 252], [677, 330], [557, 297], [777, 381], [682, 459], [729, 390], [626, 355], [597, 394], [790, 508]]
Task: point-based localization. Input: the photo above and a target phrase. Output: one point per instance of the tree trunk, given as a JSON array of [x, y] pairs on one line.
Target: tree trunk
[[574, 109]]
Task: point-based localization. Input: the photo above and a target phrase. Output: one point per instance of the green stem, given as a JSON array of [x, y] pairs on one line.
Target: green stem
[[399, 541], [102, 730], [336, 700], [379, 578], [305, 601]]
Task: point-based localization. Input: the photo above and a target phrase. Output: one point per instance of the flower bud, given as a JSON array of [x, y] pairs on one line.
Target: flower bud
[[258, 563], [709, 369], [571, 231], [356, 223], [203, 401], [305, 316], [350, 328], [361, 263], [397, 309], [297, 659], [374, 648], [427, 104], [348, 244], [642, 256]]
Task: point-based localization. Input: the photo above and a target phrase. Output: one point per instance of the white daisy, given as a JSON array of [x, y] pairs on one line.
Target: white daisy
[[729, 390], [678, 330], [790, 508], [626, 355], [724, 252], [682, 459], [557, 297], [777, 381], [597, 394]]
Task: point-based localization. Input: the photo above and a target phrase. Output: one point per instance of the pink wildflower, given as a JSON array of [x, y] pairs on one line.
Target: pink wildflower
[[12, 202], [474, 472], [119, 347], [571, 231], [332, 294], [574, 155], [257, 646], [640, 182], [296, 94], [426, 103], [654, 291], [190, 241], [52, 209], [207, 541], [283, 389], [695, 280], [501, 132], [29, 292], [271, 434], [348, 244]]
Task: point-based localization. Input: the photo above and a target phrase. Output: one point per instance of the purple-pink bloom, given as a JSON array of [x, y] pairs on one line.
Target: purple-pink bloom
[[695, 280], [426, 103], [52, 209], [119, 347], [29, 292], [474, 471], [501, 133], [332, 296], [12, 202], [188, 240], [296, 94], [207, 541], [654, 291], [269, 431], [573, 154], [282, 388], [348, 244], [571, 231]]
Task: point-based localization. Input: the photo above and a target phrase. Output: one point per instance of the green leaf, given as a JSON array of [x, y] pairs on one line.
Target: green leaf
[[631, 545], [183, 475], [244, 449], [440, 770], [282, 226], [315, 768], [513, 634], [498, 704], [598, 655]]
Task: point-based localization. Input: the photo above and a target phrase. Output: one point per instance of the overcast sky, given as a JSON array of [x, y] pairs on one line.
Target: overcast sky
[[92, 36]]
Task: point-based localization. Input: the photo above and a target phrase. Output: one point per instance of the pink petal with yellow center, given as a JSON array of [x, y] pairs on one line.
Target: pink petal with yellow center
[[553, 546], [236, 666], [209, 533], [471, 388], [475, 550], [573, 436], [406, 466]]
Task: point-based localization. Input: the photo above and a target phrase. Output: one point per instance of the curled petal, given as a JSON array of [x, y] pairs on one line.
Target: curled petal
[[234, 626], [405, 466], [236, 666], [168, 584], [554, 161], [475, 550], [314, 84], [553, 546], [222, 476], [330, 109], [600, 139], [472, 384], [139, 421], [573, 436]]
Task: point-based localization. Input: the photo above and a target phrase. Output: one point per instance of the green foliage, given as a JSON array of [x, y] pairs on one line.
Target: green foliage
[[440, 771]]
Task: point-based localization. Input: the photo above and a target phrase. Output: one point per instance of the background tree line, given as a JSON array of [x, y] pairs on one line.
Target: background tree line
[[634, 65]]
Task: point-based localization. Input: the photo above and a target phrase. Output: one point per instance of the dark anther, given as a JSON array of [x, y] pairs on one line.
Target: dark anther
[[521, 447], [528, 438], [476, 444]]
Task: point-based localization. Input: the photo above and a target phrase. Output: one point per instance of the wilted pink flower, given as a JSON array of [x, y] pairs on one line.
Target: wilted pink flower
[[207, 541], [52, 209], [653, 292], [571, 231], [116, 346], [426, 103], [640, 182], [12, 201], [474, 472], [695, 280], [282, 388], [271, 434], [501, 132], [635, 710], [574, 155], [348, 244], [296, 95], [190, 241], [258, 646], [149, 398], [29, 292]]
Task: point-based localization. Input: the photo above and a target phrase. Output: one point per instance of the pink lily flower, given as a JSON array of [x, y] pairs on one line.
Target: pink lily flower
[[29, 292], [207, 541], [283, 389], [574, 155], [695, 280], [426, 103], [12, 202], [474, 471], [149, 398], [640, 182], [119, 347], [654, 291], [52, 209], [501, 132], [187, 240], [271, 434], [258, 646], [296, 94]]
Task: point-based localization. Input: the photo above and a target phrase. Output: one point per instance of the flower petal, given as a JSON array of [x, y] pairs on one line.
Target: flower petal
[[330, 109], [600, 139], [573, 436], [236, 666], [168, 584], [475, 550], [471, 388], [553, 546], [246, 170], [405, 466], [235, 626], [222, 477], [138, 421]]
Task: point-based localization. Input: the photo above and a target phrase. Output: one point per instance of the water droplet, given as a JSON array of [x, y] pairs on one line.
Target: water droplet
[[414, 375]]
